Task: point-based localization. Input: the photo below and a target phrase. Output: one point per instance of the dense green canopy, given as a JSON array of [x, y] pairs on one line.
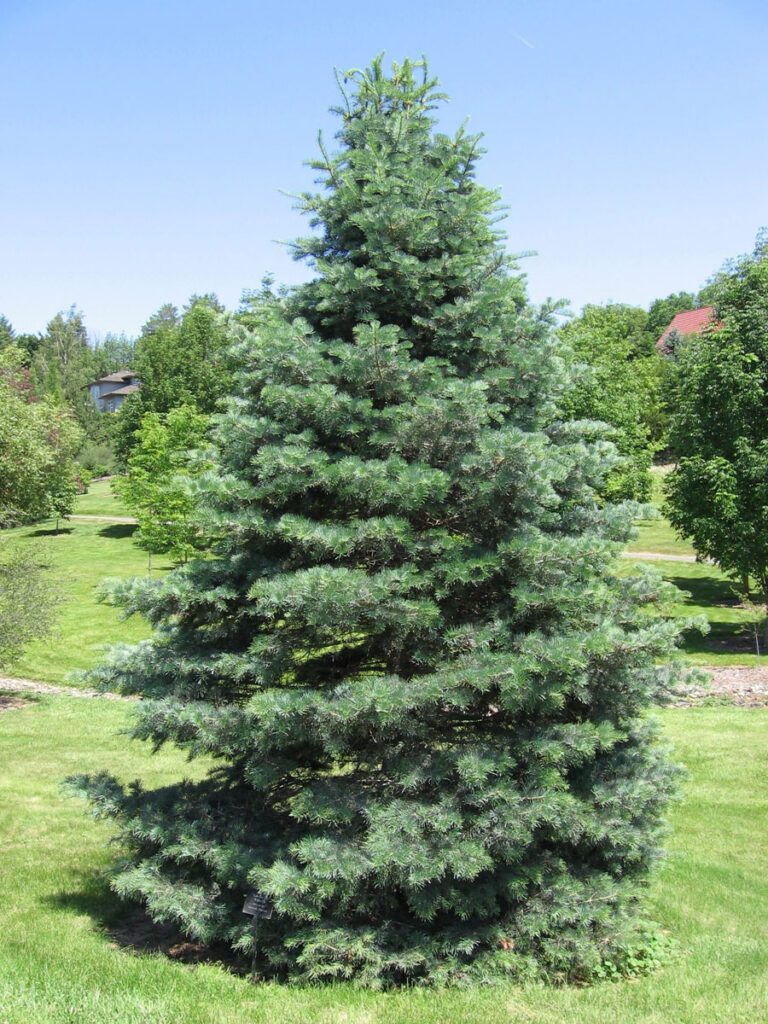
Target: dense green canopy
[[718, 492]]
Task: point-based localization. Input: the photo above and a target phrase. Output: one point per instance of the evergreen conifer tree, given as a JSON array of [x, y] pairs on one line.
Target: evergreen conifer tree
[[411, 655]]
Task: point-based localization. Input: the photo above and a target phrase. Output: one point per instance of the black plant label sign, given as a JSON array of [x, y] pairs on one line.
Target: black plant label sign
[[257, 905]]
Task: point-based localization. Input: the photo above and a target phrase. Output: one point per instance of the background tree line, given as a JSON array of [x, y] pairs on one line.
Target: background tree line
[[653, 406], [181, 359]]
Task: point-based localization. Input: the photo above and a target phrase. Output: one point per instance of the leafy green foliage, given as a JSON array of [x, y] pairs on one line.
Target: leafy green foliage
[[7, 333], [618, 383], [38, 442], [662, 311], [61, 365], [27, 602], [422, 677], [156, 486], [718, 494], [180, 360], [97, 459]]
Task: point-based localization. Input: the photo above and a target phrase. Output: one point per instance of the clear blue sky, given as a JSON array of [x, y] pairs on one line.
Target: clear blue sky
[[144, 144]]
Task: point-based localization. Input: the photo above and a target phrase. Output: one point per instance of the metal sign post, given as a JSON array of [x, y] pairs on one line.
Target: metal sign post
[[257, 905]]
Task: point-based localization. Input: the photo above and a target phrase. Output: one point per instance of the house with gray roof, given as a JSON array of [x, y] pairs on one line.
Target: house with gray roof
[[111, 391]]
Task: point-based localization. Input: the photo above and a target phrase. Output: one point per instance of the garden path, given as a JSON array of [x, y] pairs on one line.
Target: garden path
[[741, 685]]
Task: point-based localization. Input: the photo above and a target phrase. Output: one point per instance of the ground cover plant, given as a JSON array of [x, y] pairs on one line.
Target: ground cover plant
[[66, 952], [412, 653]]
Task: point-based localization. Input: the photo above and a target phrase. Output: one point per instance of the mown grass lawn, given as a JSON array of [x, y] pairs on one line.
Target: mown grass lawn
[[658, 536], [707, 591], [61, 962], [82, 554], [100, 501]]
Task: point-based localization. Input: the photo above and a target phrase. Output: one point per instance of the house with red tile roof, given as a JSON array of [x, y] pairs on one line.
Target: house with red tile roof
[[692, 321]]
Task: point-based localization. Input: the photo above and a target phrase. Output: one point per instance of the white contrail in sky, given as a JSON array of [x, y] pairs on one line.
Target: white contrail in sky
[[523, 41]]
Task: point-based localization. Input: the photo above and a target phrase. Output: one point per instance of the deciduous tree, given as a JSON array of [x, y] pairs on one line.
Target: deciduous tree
[[28, 600], [38, 443], [718, 493], [179, 361], [618, 381]]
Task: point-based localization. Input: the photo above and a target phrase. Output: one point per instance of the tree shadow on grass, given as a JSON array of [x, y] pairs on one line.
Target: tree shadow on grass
[[705, 590], [118, 531], [127, 926], [62, 530], [731, 638], [725, 636]]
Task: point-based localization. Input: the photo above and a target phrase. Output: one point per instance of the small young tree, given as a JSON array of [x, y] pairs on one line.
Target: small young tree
[[153, 488], [411, 654]]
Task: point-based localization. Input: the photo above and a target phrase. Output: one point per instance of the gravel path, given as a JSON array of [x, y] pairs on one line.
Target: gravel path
[[106, 519], [11, 685], [745, 687], [655, 556], [737, 684]]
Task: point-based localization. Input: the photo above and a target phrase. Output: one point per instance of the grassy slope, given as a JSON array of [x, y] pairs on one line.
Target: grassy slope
[[83, 554], [59, 963], [658, 536], [100, 501]]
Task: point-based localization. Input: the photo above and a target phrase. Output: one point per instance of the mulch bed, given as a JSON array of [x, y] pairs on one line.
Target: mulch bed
[[739, 685]]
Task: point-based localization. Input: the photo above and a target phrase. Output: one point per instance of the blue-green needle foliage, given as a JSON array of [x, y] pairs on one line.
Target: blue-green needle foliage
[[411, 654]]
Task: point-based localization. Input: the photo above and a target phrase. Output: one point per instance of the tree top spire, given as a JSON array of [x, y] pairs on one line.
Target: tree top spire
[[408, 90]]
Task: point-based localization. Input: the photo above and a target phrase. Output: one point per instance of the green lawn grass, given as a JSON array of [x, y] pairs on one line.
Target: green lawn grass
[[100, 501], [60, 961], [730, 640], [82, 555], [709, 592], [657, 483], [658, 536]]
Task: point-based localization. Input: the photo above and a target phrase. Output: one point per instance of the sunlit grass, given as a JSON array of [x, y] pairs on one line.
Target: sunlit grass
[[657, 535], [731, 639], [82, 554], [59, 961], [100, 501]]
